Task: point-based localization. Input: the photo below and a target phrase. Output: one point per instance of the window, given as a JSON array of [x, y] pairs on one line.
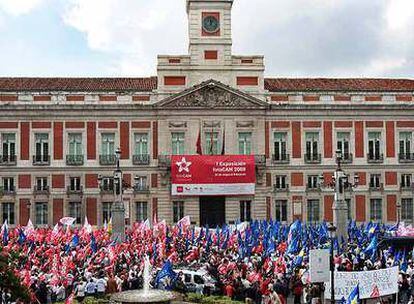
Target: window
[[245, 143], [342, 144], [41, 213], [312, 182], [281, 210], [376, 209], [212, 143], [42, 147], [375, 181], [198, 279], [280, 182], [141, 211], [41, 184], [407, 210], [75, 211], [374, 146], [178, 211], [349, 206], [8, 184], [8, 213], [406, 180], [245, 211], [141, 144], [106, 212], [75, 184], [108, 144], [75, 144], [107, 184], [313, 211], [280, 146], [405, 146], [9, 147], [177, 143], [140, 183], [312, 143]]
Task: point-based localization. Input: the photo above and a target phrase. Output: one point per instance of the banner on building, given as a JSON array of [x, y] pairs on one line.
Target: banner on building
[[194, 175], [319, 265], [372, 284]]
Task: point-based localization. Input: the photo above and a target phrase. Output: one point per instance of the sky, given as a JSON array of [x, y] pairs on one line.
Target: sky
[[299, 38]]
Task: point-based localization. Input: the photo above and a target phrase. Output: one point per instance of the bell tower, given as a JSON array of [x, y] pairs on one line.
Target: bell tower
[[209, 28]]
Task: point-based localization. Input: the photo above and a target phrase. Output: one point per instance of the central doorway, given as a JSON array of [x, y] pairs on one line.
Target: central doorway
[[212, 211]]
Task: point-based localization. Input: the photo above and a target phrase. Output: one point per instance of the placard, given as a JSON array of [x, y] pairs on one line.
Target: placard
[[380, 282], [319, 270]]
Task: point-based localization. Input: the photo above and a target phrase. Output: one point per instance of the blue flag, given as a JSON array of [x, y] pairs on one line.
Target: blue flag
[[166, 272], [22, 237], [94, 246], [5, 235], [353, 296], [75, 240]]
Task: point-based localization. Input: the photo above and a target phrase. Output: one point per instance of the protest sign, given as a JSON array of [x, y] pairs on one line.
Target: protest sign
[[319, 265], [380, 282]]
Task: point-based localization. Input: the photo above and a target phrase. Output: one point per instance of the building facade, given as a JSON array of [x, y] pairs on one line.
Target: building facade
[[59, 134]]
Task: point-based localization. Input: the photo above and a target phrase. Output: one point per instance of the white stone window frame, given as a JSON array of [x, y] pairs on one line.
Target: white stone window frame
[[16, 140], [321, 147], [178, 130], [135, 131], [351, 139], [108, 131], [49, 133], [287, 139], [382, 140], [66, 140]]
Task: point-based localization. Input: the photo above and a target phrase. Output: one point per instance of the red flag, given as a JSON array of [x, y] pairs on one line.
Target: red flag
[[199, 150], [69, 300]]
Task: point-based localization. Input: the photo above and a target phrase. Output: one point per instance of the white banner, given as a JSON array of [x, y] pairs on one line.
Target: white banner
[[213, 189], [319, 265], [375, 283]]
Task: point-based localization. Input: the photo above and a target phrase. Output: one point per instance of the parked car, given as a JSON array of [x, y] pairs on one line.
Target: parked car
[[199, 280]]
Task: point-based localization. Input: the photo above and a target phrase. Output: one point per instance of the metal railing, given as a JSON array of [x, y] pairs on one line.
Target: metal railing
[[375, 158], [280, 188], [107, 189], [312, 158], [74, 160], [7, 191], [347, 158], [406, 157], [8, 160], [141, 159], [43, 190], [75, 190], [138, 188], [407, 187], [376, 187], [281, 158], [106, 160], [41, 160]]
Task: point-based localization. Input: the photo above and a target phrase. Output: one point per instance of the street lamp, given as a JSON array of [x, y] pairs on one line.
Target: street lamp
[[332, 230], [340, 183], [399, 211], [117, 209]]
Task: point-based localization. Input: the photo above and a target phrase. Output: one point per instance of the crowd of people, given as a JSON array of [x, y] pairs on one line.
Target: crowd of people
[[260, 262]]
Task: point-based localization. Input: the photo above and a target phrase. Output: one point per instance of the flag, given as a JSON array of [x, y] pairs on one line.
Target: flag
[[353, 296], [55, 230], [94, 247], [22, 237], [69, 300], [75, 240], [109, 228], [29, 227], [166, 272], [68, 221], [87, 226], [199, 150], [5, 233], [184, 222], [372, 247]]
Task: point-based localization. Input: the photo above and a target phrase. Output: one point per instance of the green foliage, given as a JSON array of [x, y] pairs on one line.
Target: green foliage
[[9, 282], [195, 298]]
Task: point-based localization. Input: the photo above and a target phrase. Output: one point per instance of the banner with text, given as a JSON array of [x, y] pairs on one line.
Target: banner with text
[[372, 284], [193, 175]]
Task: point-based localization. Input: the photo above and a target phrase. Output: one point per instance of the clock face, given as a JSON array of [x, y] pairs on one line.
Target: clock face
[[211, 24]]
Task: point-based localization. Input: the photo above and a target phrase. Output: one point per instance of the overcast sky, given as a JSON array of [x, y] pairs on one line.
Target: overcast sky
[[299, 38]]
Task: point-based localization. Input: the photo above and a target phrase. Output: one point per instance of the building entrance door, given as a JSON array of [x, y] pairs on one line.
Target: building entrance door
[[212, 211]]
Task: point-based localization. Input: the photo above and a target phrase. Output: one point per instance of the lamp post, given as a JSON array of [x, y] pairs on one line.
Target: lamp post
[[340, 183], [399, 211], [332, 230], [117, 209]]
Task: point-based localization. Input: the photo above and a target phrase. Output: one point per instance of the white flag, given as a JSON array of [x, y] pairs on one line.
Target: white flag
[[67, 221], [55, 230], [87, 226]]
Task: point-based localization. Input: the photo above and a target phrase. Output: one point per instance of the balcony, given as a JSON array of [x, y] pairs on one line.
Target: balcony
[[311, 188], [41, 190], [8, 160], [74, 160], [10, 191], [376, 187], [74, 191], [347, 158], [107, 189], [407, 186], [141, 159], [164, 161], [406, 157], [375, 158], [281, 158], [107, 160], [313, 158], [41, 160], [280, 188], [141, 188]]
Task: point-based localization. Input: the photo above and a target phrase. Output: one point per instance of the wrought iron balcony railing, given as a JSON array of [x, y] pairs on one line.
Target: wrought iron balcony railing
[[107, 160], [41, 160], [280, 188], [139, 188], [406, 157], [313, 158], [74, 160], [347, 158], [281, 158], [74, 190], [375, 158], [8, 160], [141, 159], [41, 190]]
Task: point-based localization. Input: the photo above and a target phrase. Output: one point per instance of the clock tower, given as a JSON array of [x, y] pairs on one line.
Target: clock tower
[[209, 28]]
